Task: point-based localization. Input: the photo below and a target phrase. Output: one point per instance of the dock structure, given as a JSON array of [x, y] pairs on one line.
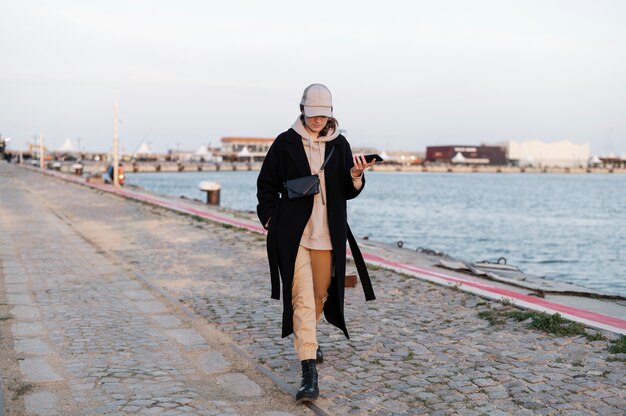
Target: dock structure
[[130, 307], [91, 168]]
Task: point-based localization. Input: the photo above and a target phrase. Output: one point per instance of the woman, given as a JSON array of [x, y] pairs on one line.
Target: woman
[[306, 240]]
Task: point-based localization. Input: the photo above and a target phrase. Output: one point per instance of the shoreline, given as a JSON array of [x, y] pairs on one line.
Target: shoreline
[[539, 284]]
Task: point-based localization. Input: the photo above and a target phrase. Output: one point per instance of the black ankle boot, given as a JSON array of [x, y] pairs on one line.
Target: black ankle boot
[[319, 357], [308, 391]]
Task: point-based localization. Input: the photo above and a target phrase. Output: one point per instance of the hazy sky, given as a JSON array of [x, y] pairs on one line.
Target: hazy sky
[[404, 74]]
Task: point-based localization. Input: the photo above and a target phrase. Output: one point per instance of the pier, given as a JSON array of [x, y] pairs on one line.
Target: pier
[[121, 301]]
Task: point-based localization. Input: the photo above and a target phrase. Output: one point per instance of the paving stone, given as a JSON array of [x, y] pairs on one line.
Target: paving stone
[[186, 337], [150, 306], [33, 346], [239, 385], [27, 329], [166, 321], [16, 288], [139, 294], [213, 362], [19, 299], [41, 403], [38, 370], [25, 313]]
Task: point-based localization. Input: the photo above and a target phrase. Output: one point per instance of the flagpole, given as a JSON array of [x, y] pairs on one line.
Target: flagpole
[[116, 175]]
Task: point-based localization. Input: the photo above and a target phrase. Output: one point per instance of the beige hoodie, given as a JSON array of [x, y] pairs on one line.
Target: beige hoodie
[[316, 235]]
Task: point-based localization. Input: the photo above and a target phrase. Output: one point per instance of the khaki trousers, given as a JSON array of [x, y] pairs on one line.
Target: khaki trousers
[[309, 291]]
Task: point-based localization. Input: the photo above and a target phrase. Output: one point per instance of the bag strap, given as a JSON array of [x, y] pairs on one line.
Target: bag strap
[[327, 159], [360, 266]]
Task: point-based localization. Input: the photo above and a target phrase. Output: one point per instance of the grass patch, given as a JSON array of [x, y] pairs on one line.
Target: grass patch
[[507, 301], [618, 346], [374, 267], [21, 389], [493, 317], [5, 318], [552, 324], [595, 337]]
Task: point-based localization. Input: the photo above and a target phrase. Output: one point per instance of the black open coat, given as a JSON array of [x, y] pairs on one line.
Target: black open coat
[[286, 159]]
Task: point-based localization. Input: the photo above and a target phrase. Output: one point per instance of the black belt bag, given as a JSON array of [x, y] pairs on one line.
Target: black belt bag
[[306, 185]]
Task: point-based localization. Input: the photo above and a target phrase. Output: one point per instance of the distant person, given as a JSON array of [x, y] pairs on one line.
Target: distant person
[[110, 173], [120, 172], [306, 241]]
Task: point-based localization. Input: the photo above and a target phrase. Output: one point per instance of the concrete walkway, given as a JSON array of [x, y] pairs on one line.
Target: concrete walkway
[[419, 349], [82, 334]]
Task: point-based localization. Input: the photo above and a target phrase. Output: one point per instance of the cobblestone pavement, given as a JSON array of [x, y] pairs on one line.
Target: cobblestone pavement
[[418, 349], [81, 336]]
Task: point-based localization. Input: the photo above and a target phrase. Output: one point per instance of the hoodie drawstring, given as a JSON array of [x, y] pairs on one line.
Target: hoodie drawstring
[[319, 149], [321, 172]]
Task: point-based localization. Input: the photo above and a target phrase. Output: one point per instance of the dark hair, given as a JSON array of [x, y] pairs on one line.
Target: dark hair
[[331, 124]]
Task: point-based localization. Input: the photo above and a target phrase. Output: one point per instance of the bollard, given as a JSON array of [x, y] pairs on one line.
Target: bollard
[[350, 280], [212, 190], [78, 169]]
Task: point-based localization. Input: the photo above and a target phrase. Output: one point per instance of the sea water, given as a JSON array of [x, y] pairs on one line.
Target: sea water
[[570, 228]]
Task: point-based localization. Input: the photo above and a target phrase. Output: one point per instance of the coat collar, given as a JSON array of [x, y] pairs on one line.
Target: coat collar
[[295, 149]]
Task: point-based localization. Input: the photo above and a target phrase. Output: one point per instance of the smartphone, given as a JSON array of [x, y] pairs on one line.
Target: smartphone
[[376, 157]]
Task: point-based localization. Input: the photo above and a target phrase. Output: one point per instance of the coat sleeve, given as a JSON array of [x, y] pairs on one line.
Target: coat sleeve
[[268, 186], [351, 191]]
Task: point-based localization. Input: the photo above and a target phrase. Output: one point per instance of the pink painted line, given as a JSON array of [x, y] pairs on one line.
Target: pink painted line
[[182, 208], [580, 313], [532, 300]]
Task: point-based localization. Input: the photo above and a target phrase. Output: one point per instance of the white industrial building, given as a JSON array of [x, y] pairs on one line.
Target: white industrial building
[[541, 154]]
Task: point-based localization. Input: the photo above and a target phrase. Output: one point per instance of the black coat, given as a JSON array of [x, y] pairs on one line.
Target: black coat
[[286, 159]]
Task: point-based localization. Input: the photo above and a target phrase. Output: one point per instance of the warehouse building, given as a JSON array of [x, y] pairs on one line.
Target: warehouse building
[[475, 155]]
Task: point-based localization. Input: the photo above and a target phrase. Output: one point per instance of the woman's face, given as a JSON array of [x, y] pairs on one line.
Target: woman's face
[[315, 124]]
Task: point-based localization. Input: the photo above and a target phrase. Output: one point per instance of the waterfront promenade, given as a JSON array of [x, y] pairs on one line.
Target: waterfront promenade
[[109, 306]]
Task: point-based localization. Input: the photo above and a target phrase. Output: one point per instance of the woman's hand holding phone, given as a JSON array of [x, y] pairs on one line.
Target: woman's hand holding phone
[[360, 164]]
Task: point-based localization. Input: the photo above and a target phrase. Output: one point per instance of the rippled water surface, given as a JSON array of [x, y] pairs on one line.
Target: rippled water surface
[[565, 227]]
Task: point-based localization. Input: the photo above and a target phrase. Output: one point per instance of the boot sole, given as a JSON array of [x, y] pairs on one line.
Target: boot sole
[[307, 400]]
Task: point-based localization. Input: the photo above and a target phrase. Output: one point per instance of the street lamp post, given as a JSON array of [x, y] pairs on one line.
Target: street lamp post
[[41, 165]]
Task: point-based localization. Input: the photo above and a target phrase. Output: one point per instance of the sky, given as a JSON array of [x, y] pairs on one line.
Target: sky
[[404, 74]]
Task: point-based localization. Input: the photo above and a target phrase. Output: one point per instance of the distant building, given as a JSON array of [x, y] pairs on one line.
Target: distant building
[[399, 157], [477, 155], [245, 148], [538, 153]]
